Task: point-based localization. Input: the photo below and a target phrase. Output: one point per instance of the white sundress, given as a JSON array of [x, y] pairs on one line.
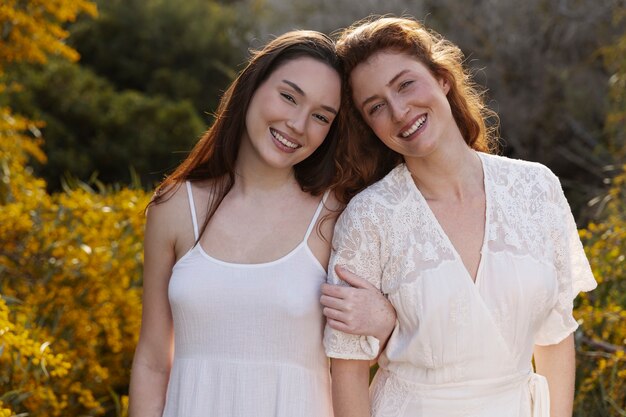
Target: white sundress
[[463, 348], [248, 337]]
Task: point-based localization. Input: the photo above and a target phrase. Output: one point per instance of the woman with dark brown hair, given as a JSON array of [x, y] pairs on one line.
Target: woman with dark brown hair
[[479, 254], [235, 251]]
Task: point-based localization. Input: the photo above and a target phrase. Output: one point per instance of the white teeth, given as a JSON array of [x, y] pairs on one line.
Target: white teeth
[[284, 141], [418, 123]]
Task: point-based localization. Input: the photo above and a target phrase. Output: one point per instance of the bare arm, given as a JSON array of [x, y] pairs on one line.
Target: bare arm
[[360, 309], [153, 356], [557, 363], [350, 383]]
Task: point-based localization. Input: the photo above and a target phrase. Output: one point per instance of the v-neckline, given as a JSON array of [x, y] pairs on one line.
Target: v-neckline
[[473, 280]]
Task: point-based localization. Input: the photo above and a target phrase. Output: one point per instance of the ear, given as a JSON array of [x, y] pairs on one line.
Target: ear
[[445, 85]]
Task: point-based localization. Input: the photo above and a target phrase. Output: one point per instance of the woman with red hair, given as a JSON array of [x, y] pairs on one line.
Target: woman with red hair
[[479, 254]]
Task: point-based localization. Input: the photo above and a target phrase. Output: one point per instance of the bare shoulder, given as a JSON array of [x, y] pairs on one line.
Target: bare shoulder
[[169, 223], [164, 213], [203, 190]]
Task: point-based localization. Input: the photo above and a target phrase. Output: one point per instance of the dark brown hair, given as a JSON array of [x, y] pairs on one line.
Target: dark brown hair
[[215, 154], [444, 60]]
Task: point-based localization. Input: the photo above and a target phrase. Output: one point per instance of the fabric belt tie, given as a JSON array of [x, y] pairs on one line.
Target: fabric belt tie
[[540, 395]]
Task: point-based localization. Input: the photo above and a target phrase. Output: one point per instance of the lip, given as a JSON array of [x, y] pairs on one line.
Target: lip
[[281, 145], [410, 124]]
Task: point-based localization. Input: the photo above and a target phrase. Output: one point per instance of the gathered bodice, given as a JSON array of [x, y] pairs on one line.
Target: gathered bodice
[[248, 337]]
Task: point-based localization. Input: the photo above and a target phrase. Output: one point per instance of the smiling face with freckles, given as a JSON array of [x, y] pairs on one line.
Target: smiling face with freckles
[[291, 112], [403, 103]]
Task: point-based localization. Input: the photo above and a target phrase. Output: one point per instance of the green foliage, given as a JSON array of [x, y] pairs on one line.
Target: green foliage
[[182, 49], [151, 71], [90, 127]]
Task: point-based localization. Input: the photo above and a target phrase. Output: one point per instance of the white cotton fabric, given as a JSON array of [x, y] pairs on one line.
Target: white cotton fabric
[[248, 337], [464, 348]]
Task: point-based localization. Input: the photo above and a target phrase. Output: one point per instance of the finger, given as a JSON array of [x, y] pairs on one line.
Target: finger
[[332, 302], [337, 325], [336, 291], [353, 279], [331, 313], [340, 292]]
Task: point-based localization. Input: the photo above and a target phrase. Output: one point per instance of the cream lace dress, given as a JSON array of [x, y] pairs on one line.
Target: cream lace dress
[[463, 348]]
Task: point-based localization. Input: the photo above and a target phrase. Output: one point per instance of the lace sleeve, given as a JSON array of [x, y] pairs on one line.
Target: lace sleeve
[[356, 246], [572, 268]]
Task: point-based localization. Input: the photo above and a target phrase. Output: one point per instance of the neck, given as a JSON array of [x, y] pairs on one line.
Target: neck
[[454, 173], [253, 176]]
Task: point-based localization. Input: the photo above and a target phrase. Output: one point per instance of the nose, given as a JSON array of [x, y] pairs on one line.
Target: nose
[[399, 109], [297, 122]]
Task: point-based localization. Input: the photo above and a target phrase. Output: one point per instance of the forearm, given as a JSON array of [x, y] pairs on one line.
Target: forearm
[[148, 387], [350, 386], [153, 357], [558, 364]]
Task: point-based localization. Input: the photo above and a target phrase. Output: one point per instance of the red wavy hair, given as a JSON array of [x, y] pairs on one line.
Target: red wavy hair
[[367, 159]]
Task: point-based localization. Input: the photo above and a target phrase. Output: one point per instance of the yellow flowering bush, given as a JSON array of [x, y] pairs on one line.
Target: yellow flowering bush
[[33, 28], [70, 268], [69, 263], [602, 313], [16, 148], [5, 412], [28, 360]]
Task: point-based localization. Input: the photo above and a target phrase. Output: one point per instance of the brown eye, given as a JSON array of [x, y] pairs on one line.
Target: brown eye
[[375, 108], [288, 97], [322, 118], [405, 84]]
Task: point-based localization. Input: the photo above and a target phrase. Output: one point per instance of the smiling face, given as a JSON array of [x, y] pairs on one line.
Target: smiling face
[[403, 103], [291, 112]]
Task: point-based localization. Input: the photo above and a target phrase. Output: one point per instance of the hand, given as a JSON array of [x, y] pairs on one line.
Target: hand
[[360, 309]]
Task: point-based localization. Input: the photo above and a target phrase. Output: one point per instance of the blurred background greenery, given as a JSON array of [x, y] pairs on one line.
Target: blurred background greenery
[[151, 73], [82, 141]]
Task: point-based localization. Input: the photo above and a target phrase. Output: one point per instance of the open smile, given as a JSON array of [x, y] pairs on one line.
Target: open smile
[[416, 125], [284, 140]]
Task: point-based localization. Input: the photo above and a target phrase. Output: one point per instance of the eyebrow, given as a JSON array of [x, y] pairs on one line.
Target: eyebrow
[[301, 92], [393, 80]]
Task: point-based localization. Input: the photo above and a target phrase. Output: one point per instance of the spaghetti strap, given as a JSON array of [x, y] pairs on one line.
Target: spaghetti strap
[[315, 216], [192, 206]]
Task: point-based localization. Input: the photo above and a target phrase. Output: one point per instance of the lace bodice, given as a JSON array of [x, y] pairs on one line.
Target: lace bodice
[[450, 328]]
